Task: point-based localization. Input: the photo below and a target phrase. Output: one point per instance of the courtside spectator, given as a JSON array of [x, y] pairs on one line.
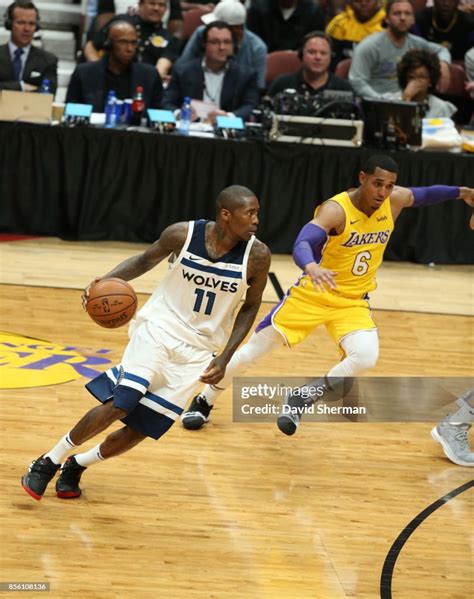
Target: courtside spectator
[[359, 19], [251, 50], [117, 70], [314, 75], [418, 74], [445, 24], [23, 67], [230, 87], [156, 45], [373, 70]]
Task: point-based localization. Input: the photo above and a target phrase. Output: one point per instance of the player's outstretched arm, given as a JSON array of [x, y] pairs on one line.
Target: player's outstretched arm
[[417, 197], [307, 249], [258, 265], [171, 241]]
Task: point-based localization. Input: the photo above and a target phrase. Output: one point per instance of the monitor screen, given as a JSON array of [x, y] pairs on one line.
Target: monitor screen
[[394, 124]]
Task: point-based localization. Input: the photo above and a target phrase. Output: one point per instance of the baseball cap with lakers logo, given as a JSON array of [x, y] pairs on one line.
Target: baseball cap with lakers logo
[[231, 12]]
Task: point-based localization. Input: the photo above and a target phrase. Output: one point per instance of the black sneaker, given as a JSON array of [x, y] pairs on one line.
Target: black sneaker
[[197, 415], [37, 478], [288, 422], [67, 485]]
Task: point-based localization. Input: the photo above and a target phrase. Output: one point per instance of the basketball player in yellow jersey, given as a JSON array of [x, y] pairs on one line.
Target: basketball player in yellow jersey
[[339, 252]]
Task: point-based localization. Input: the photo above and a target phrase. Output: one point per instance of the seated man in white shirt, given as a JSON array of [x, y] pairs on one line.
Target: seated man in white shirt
[[216, 78], [23, 67]]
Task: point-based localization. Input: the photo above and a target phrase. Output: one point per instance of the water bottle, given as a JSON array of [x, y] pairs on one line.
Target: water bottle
[[127, 111], [45, 87], [119, 111], [110, 113], [185, 117]]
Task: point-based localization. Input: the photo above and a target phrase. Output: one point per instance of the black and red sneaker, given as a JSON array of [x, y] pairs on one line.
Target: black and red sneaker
[[67, 485], [37, 478]]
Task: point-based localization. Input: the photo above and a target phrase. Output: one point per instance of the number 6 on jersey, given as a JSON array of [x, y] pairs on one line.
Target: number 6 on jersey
[[361, 265]]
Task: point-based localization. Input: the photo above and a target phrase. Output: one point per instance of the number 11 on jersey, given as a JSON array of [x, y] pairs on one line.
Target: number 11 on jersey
[[211, 296]]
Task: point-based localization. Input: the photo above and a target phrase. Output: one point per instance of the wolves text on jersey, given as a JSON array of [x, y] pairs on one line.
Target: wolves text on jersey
[[210, 282]]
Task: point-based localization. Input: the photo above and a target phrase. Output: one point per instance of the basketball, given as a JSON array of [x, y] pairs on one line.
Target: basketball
[[112, 303]]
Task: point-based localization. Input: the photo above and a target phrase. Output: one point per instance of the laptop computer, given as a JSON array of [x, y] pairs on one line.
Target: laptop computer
[[25, 106]]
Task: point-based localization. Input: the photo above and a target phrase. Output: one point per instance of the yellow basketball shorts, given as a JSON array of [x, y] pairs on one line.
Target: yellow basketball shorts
[[304, 308]]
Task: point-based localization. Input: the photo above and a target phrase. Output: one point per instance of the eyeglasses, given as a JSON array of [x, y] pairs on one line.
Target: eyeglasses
[[220, 42]]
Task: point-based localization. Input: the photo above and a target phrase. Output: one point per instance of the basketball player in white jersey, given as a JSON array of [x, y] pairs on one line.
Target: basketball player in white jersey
[[183, 334]]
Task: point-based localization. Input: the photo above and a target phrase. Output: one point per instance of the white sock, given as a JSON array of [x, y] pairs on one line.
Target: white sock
[[61, 450], [90, 457], [210, 393], [259, 344]]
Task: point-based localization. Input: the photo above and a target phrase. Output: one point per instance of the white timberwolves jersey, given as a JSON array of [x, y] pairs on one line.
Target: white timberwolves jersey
[[198, 296]]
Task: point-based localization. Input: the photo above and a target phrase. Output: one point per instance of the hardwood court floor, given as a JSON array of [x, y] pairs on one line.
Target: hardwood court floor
[[401, 286], [237, 510]]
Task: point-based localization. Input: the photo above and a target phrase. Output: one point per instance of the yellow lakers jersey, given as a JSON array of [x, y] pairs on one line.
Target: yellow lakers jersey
[[357, 252], [345, 26]]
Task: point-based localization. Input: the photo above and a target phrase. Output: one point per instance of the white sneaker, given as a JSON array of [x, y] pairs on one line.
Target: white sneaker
[[453, 439]]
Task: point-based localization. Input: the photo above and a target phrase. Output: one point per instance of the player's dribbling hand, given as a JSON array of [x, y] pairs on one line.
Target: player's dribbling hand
[[214, 372], [85, 293], [321, 277], [467, 194]]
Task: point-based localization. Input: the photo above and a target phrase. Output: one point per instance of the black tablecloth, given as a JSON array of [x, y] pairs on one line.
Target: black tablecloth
[[92, 184]]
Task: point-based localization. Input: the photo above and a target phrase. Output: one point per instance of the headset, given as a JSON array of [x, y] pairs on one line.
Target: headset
[[314, 35], [219, 25], [8, 15], [108, 44]]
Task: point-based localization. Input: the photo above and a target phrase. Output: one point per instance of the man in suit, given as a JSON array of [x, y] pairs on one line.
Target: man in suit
[[23, 67], [216, 78], [118, 71]]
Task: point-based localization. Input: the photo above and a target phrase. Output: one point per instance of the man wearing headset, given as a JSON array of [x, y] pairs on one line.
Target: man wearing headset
[[117, 70], [23, 67], [156, 44], [215, 78], [251, 50], [314, 75]]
